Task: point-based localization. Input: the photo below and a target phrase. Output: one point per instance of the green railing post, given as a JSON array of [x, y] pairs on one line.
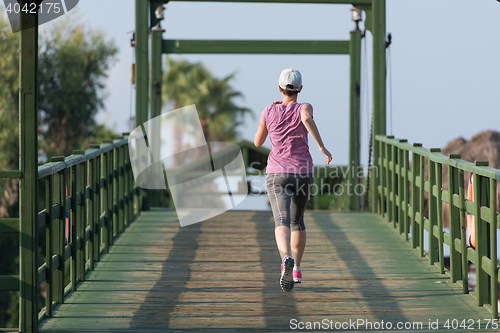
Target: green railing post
[[394, 184], [415, 171], [49, 183], [405, 200], [402, 189], [383, 178], [463, 232], [482, 238], [89, 203], [121, 188], [354, 116], [432, 203], [73, 228], [388, 179], [493, 249], [399, 188], [421, 205], [97, 208], [110, 220], [129, 202], [28, 162], [454, 221], [94, 211], [379, 85], [58, 198], [439, 214], [114, 173], [104, 200]]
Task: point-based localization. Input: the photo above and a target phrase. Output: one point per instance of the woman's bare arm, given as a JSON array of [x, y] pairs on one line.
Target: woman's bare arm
[[261, 135], [311, 127]]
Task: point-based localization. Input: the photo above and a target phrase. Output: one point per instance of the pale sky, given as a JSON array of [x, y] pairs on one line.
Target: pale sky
[[445, 68]]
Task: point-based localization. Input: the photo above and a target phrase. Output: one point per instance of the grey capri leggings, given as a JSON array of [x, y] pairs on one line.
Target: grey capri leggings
[[288, 194]]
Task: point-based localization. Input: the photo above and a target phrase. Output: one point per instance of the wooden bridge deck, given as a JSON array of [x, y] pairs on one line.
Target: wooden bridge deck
[[222, 275]]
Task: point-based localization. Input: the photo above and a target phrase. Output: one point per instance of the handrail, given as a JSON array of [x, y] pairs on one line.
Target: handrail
[[402, 188], [51, 168], [96, 189]]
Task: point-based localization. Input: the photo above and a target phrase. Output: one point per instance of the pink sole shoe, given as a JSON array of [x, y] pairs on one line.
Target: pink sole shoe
[[286, 280], [297, 276]]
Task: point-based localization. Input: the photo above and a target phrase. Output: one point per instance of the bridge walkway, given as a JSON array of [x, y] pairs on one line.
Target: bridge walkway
[[222, 275]]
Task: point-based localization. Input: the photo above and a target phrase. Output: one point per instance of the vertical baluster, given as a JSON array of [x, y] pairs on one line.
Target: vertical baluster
[[48, 246], [82, 218], [109, 195], [493, 249], [58, 199], [482, 239], [130, 180], [414, 198], [388, 180], [97, 208], [72, 231], [126, 164], [454, 220], [126, 190], [104, 200], [433, 241], [90, 211], [406, 189], [79, 216], [116, 223], [421, 205], [121, 188], [463, 232], [394, 184], [383, 160], [111, 220], [65, 225], [439, 214], [400, 189]]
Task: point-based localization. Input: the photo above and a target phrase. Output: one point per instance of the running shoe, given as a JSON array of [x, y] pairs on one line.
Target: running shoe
[[297, 276], [286, 280]]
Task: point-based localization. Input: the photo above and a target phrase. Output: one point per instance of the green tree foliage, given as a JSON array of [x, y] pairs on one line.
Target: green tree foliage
[[73, 63], [9, 108], [188, 83]]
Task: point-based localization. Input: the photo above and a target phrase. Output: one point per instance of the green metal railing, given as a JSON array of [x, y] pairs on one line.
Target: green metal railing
[[402, 186], [96, 187]]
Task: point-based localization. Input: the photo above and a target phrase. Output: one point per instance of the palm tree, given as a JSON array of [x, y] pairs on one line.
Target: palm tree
[[188, 83]]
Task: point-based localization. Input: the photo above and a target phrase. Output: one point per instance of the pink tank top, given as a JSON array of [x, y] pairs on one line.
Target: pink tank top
[[289, 146]]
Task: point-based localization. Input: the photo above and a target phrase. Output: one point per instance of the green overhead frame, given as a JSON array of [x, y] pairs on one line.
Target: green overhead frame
[[375, 18], [255, 47], [324, 2]]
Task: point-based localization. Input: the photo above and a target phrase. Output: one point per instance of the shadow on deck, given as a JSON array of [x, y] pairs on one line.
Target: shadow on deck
[[222, 275]]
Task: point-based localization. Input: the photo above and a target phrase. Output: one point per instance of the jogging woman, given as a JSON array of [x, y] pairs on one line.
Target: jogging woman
[[289, 171]]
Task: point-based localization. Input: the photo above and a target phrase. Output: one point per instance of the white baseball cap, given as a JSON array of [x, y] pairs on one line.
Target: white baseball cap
[[292, 77]]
